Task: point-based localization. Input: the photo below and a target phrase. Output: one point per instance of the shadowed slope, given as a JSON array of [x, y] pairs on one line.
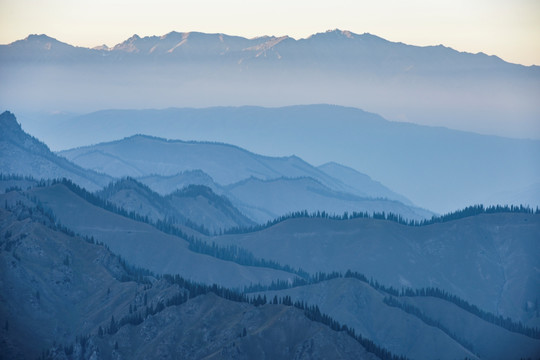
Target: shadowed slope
[[488, 259]]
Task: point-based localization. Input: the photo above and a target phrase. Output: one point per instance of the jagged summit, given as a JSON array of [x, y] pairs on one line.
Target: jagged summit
[[8, 122], [42, 41]]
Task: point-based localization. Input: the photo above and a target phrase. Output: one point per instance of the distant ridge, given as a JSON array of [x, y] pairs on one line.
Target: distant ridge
[[426, 85], [437, 168], [175, 42], [262, 187]]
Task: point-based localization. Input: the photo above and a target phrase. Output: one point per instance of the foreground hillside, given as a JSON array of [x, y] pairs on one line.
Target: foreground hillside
[[419, 327], [142, 244], [82, 302], [65, 297], [488, 259]]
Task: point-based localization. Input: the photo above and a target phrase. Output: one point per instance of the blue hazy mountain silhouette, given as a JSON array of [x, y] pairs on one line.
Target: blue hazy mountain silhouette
[[436, 168], [429, 85]]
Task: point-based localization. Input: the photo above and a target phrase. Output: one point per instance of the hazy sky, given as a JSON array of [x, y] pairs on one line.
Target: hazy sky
[[506, 28]]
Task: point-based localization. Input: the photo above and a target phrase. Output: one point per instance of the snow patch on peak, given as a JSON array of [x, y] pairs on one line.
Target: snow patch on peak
[[348, 34], [102, 47], [270, 43], [177, 45]]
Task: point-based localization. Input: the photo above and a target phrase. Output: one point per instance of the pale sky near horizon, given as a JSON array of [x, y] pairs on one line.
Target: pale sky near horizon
[[509, 29]]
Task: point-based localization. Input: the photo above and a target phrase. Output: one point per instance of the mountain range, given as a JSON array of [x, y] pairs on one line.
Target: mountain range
[[436, 168], [262, 187], [496, 254], [108, 308], [129, 243], [158, 161], [195, 205], [426, 85], [86, 274], [64, 296]]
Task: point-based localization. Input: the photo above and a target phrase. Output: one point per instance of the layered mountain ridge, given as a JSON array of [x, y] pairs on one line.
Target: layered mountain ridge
[[427, 85], [151, 247], [255, 184], [66, 297], [142, 312], [287, 259], [496, 254], [195, 205], [198, 43], [436, 168]]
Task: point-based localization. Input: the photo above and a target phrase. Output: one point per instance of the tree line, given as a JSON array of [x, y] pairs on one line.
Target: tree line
[[456, 215], [504, 322]]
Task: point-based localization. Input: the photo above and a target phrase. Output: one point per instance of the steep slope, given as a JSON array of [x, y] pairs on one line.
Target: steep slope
[[202, 206], [267, 200], [363, 182], [131, 195], [54, 286], [22, 154], [63, 297], [143, 245], [436, 168], [491, 341], [196, 205], [457, 334], [164, 185], [488, 259], [272, 332]]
